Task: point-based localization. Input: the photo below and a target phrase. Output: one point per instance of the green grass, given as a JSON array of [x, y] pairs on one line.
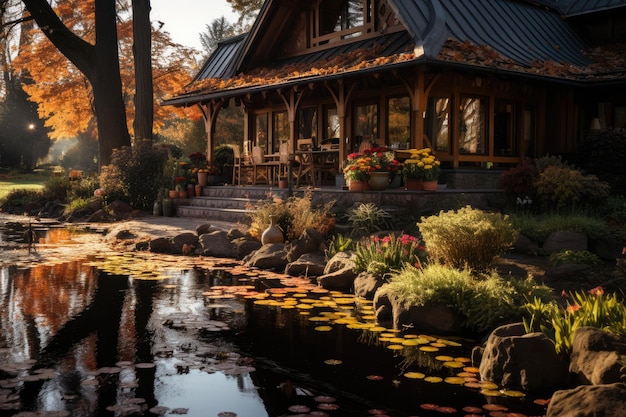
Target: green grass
[[14, 181]]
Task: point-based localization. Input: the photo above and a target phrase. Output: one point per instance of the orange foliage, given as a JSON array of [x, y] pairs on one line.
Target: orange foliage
[[63, 93]]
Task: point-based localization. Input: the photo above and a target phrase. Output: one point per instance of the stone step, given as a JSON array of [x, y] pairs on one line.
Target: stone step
[[213, 213], [219, 202]]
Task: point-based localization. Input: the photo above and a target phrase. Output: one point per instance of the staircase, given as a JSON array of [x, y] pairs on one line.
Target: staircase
[[225, 203]]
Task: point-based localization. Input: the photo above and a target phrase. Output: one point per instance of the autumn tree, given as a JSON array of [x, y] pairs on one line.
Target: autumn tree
[[66, 94]]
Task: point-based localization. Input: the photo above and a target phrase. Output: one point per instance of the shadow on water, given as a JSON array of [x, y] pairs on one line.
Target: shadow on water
[[80, 342]]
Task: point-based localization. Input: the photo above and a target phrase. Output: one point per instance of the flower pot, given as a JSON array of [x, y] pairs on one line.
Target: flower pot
[[182, 194], [429, 185], [168, 207], [272, 234], [413, 184], [355, 185], [198, 190], [283, 183], [173, 193], [203, 178], [191, 190], [379, 180], [396, 181]]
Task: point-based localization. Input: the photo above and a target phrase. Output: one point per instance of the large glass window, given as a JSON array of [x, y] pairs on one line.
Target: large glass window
[[331, 123], [307, 123], [339, 15], [437, 124], [366, 123], [473, 128], [504, 130], [260, 130], [280, 130], [399, 121]]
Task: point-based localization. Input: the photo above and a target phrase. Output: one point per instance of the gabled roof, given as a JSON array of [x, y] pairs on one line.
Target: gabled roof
[[519, 36]]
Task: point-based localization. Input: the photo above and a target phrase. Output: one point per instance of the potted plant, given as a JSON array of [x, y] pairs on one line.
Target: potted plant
[[384, 166], [421, 170], [357, 169], [223, 160]]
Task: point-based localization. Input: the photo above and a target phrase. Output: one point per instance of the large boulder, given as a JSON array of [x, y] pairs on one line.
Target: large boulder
[[310, 241], [271, 256], [205, 228], [245, 246], [338, 273], [184, 240], [217, 244], [607, 400], [161, 245], [516, 359], [309, 265], [431, 318], [595, 357], [366, 284], [565, 240]]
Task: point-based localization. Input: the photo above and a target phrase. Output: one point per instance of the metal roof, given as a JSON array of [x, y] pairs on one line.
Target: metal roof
[[518, 30], [581, 7], [220, 63]]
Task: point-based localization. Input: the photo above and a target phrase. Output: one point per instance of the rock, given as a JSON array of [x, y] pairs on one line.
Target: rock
[[383, 308], [340, 280], [310, 241], [182, 240], [271, 256], [607, 249], [589, 401], [309, 265], [161, 245], [565, 271], [524, 245], [559, 241], [205, 228], [338, 274], [366, 284], [245, 246], [120, 209], [218, 244], [595, 357], [515, 359], [100, 216], [124, 234], [235, 234], [341, 260], [435, 319]]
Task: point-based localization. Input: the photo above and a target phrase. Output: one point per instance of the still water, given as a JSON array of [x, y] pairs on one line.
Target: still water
[[132, 335]]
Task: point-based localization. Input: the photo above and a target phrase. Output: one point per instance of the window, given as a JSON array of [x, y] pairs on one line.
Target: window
[[347, 18], [398, 120], [437, 124], [529, 131], [504, 130], [307, 123], [473, 128], [260, 129], [280, 129], [331, 123], [366, 123]]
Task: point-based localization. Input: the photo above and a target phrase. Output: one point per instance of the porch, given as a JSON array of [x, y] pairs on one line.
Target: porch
[[457, 188]]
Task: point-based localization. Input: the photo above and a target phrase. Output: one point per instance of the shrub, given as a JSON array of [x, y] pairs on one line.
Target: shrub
[[560, 188], [338, 243], [519, 182], [593, 309], [293, 216], [367, 218], [57, 188], [468, 237], [538, 228], [135, 174], [390, 253], [482, 302], [582, 257], [223, 155]]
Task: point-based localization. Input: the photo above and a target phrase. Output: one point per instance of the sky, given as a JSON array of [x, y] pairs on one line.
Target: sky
[[186, 19]]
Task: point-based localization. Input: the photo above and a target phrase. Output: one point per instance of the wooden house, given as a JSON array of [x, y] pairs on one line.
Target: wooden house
[[482, 82]]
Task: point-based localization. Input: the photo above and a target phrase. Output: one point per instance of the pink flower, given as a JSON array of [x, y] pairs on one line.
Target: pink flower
[[599, 291]]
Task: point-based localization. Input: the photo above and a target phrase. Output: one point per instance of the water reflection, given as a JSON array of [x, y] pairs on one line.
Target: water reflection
[[82, 342]]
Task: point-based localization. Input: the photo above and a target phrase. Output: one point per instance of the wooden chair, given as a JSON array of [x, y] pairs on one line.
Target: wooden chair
[[262, 170], [240, 164], [283, 159]]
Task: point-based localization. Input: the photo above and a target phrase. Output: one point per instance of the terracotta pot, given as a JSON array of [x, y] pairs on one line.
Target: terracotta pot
[[413, 184], [173, 193], [198, 190], [182, 194], [283, 183], [379, 180], [203, 178], [357, 186], [191, 190], [430, 185]]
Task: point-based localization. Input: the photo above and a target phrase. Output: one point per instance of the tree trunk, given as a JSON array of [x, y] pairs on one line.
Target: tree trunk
[[142, 48], [99, 63]]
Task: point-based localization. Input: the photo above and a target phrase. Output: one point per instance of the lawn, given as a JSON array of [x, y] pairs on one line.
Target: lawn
[[11, 181]]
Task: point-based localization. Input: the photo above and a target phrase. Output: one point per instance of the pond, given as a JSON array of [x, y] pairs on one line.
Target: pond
[[137, 334]]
